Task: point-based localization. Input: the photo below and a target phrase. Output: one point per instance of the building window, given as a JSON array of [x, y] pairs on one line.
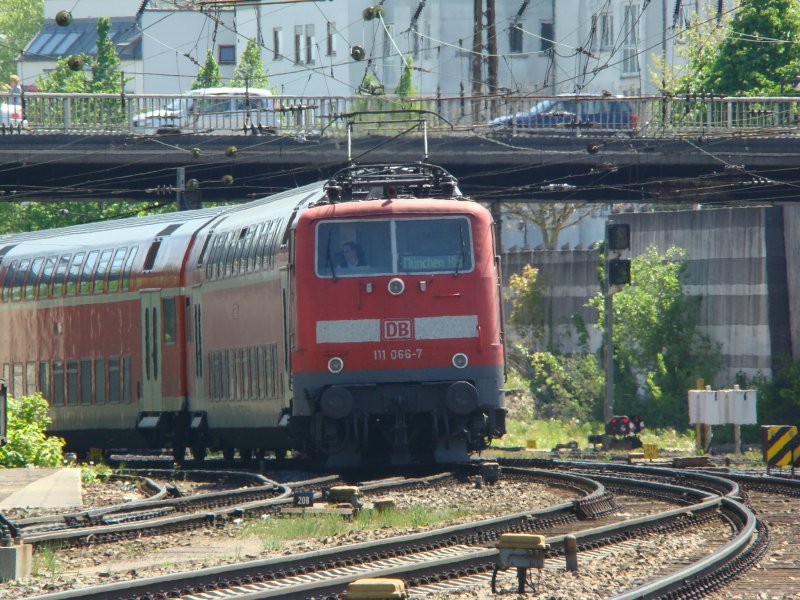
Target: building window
[[330, 44], [606, 31], [227, 55], [546, 34], [299, 43], [310, 44], [630, 54], [277, 43], [515, 38]]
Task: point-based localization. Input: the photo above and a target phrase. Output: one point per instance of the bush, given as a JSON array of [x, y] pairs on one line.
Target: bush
[[27, 445]]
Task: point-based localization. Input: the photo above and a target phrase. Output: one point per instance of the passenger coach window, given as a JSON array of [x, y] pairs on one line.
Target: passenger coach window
[[44, 379], [101, 272], [58, 382], [170, 320], [72, 382], [47, 276], [9, 281], [388, 247], [61, 274], [73, 273], [19, 280], [116, 269], [126, 274], [33, 278], [86, 276]]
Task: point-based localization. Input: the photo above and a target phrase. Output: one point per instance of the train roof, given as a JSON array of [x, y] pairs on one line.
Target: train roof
[[135, 229]]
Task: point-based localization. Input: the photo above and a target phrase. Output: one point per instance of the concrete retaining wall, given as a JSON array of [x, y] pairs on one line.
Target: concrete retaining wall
[[744, 262]]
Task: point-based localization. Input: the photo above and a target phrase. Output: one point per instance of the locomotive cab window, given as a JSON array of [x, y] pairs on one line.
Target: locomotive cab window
[[396, 246]]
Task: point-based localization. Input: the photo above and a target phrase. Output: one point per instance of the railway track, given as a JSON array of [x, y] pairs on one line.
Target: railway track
[[709, 505], [429, 558]]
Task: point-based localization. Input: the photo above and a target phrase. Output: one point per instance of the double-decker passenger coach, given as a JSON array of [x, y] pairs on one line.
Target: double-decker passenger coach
[[352, 320]]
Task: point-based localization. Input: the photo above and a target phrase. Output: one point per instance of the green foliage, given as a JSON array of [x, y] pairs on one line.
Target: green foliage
[[35, 216], [549, 432], [208, 76], [106, 77], [405, 87], [527, 313], [760, 46], [567, 387], [62, 79], [250, 71], [27, 443], [658, 350], [20, 20], [91, 473], [778, 398]]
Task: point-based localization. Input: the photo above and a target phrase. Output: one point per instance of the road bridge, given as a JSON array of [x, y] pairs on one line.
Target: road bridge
[[682, 150]]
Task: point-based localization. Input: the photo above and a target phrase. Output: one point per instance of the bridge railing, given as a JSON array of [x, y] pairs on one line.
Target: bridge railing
[[146, 114]]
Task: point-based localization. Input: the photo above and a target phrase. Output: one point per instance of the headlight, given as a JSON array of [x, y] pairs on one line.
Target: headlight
[[396, 286], [460, 360], [335, 365]]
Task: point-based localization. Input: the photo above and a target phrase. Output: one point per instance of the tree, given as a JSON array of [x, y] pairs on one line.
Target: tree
[[106, 77], [758, 56], [36, 216], [104, 68], [658, 350], [208, 75], [28, 445], [250, 71], [405, 86], [527, 314], [20, 20], [552, 218]]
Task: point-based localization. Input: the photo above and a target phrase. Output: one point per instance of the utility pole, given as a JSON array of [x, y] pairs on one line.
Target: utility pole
[[491, 38], [477, 58]]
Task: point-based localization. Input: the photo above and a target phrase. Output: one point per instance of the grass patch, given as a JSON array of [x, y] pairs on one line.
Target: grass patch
[[46, 562], [274, 532], [548, 432]]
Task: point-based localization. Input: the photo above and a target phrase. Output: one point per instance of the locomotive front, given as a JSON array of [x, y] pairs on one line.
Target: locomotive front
[[397, 333]]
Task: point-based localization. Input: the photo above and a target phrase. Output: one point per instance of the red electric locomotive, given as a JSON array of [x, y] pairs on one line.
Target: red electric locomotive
[[353, 320]]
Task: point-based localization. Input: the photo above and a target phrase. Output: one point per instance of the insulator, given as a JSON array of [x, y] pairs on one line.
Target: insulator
[[227, 180], [358, 53], [63, 18], [231, 151], [75, 62]]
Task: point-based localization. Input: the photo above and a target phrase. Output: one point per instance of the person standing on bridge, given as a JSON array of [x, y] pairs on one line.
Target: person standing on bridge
[[14, 90]]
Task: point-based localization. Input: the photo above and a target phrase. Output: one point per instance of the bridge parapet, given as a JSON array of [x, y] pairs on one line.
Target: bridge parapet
[[570, 116]]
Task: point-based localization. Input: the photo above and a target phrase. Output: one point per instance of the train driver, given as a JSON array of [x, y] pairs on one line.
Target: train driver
[[352, 255]]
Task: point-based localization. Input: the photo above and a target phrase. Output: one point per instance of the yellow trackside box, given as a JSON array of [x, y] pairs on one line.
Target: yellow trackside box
[[521, 541], [780, 445], [376, 589]]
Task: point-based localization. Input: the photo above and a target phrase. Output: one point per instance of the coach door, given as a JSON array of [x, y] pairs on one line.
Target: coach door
[[151, 350]]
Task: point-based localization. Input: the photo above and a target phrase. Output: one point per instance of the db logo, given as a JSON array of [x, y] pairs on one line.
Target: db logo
[[397, 329]]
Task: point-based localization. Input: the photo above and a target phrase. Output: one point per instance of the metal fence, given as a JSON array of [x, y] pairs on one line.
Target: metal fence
[[149, 114]]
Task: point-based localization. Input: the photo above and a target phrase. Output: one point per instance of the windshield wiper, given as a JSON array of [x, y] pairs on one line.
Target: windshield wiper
[[330, 260], [463, 258]]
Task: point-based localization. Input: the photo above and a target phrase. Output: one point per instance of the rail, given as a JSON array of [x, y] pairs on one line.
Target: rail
[[148, 114]]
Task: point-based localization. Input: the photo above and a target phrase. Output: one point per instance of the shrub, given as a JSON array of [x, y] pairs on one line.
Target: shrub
[[28, 445]]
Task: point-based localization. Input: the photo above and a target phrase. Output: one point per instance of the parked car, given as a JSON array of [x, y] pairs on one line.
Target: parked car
[[574, 110], [11, 114], [225, 110]]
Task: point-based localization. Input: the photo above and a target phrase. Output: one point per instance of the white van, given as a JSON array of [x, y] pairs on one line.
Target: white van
[[222, 110]]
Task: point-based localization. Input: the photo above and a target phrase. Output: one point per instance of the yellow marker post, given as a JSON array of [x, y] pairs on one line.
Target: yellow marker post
[[650, 451]]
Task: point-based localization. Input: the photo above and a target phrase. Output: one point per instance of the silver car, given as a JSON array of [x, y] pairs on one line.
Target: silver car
[[211, 110]]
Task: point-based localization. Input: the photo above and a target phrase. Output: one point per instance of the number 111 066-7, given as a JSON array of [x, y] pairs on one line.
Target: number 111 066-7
[[397, 354]]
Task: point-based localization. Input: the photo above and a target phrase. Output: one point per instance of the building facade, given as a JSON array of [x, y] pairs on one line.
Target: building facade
[[524, 47]]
